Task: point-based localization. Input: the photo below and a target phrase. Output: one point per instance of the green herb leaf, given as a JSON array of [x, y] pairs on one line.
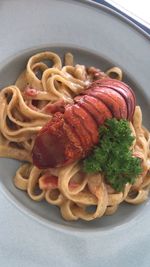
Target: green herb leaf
[[113, 156]]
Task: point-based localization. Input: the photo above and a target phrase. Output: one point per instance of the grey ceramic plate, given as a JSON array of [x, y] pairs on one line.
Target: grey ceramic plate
[[96, 36]]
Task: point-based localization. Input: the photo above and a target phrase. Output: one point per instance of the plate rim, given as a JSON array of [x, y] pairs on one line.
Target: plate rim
[[115, 13]]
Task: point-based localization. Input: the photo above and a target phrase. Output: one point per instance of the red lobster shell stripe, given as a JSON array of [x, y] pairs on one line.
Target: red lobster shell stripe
[[70, 136]]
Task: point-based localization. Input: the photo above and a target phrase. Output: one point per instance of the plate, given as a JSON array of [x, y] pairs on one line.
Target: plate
[[96, 36]]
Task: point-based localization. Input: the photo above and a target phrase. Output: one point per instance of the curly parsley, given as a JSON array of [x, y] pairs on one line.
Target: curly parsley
[[113, 156]]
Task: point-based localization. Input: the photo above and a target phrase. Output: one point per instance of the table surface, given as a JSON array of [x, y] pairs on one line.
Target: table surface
[[18, 251]]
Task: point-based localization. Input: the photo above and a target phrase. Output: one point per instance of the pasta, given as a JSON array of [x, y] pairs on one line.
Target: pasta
[[26, 107]]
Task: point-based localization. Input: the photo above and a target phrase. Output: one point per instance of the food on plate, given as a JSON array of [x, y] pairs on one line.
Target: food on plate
[[79, 132], [71, 134], [113, 156]]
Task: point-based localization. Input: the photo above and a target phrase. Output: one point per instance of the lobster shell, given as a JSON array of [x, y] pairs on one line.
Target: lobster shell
[[70, 136]]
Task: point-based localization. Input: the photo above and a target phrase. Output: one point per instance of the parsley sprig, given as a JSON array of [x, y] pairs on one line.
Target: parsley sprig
[[113, 156]]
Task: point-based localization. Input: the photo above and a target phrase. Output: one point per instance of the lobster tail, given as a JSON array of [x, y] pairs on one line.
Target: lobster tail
[[70, 136]]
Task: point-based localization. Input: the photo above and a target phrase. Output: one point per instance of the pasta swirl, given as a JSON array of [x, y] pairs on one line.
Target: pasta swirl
[[27, 106]]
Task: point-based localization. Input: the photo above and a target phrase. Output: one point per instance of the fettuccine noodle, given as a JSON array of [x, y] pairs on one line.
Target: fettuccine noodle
[[23, 112]]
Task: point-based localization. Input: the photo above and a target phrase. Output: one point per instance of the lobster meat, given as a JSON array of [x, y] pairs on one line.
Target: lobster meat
[[71, 134]]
